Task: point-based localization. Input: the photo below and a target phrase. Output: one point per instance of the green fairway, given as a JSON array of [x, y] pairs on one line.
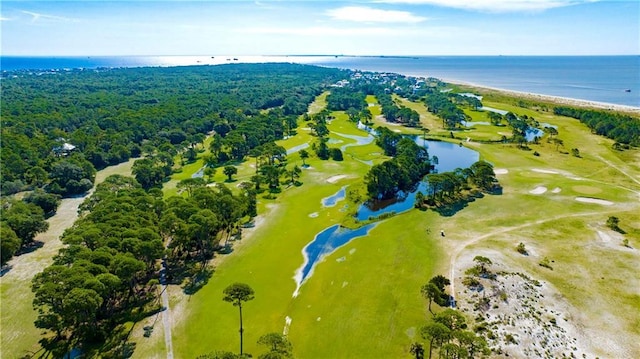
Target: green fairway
[[364, 300]]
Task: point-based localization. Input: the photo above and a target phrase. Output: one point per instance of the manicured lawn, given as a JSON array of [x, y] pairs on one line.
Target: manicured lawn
[[364, 300]]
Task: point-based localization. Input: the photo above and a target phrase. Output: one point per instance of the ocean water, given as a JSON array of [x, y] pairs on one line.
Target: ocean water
[[609, 79]]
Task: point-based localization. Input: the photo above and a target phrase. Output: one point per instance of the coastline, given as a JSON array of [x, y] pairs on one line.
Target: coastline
[[550, 98]]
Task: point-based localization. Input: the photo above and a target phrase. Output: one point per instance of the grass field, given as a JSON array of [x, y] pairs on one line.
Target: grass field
[[364, 299]]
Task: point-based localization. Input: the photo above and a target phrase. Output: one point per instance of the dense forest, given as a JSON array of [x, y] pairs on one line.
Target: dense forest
[[59, 127], [623, 129], [106, 116]]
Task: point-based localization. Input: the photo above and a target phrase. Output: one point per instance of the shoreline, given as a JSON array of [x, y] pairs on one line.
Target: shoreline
[[551, 98]]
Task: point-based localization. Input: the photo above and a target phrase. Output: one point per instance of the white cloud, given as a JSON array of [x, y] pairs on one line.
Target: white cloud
[[367, 14], [321, 31], [495, 5], [38, 16]]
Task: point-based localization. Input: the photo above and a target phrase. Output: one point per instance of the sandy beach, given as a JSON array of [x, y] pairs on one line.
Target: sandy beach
[[549, 98]]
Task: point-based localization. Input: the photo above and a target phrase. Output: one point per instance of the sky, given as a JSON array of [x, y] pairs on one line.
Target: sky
[[313, 27]]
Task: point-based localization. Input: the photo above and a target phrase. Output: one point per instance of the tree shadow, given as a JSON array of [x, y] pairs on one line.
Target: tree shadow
[[5, 269], [34, 245], [197, 281]]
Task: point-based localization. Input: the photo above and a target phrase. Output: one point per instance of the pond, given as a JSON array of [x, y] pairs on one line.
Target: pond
[[335, 198], [360, 140], [450, 156], [324, 243]]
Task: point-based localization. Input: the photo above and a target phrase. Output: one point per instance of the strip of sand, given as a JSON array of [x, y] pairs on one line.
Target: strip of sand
[[549, 98]]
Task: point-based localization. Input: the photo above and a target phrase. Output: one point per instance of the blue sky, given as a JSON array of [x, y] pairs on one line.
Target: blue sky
[[268, 27]]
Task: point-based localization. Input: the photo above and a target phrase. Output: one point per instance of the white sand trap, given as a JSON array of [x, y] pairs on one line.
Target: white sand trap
[[352, 251], [556, 190], [545, 171], [500, 171], [287, 323], [397, 131], [341, 259], [538, 190], [594, 200], [605, 237], [313, 215], [335, 179]]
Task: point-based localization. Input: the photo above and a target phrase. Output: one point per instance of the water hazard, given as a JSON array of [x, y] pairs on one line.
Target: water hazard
[[323, 244], [450, 156]]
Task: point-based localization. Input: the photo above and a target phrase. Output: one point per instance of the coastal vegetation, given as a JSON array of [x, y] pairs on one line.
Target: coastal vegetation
[[177, 229]]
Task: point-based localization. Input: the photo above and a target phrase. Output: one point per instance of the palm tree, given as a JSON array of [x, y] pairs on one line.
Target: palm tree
[[235, 294]]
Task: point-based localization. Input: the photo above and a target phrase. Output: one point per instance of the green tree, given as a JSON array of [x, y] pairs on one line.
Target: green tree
[[304, 154], [229, 171], [417, 350], [279, 346], [431, 292], [294, 174], [436, 333], [47, 201], [190, 184], [9, 243], [25, 219], [236, 294]]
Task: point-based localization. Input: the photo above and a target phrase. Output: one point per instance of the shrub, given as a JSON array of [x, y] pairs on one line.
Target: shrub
[[336, 154], [521, 249], [546, 263]]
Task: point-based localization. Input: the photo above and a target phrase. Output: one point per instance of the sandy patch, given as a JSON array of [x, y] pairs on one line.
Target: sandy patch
[[313, 215], [545, 171], [500, 171], [538, 190], [529, 318], [594, 200], [336, 178], [556, 190]]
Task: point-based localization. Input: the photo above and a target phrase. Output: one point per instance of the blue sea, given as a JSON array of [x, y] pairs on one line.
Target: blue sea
[[608, 79]]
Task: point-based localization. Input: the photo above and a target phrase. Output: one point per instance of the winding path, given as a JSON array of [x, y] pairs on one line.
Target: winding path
[[460, 247]]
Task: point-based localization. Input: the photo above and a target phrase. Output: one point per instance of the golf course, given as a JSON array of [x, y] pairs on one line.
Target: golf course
[[363, 299], [360, 296]]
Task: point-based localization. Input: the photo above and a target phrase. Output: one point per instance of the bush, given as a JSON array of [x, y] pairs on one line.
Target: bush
[[546, 263], [336, 154], [521, 249]]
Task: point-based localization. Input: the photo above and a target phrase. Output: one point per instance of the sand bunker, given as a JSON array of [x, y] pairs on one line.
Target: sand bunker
[[335, 179], [500, 171], [545, 171], [556, 190], [594, 200], [538, 190], [313, 215]]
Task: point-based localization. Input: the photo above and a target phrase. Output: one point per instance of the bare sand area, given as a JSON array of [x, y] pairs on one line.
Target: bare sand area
[[594, 200], [500, 171], [538, 190], [522, 316], [554, 99], [336, 178]]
